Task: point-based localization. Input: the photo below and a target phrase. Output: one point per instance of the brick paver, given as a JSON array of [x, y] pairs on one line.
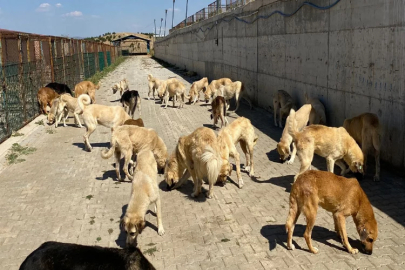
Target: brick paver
[[46, 198]]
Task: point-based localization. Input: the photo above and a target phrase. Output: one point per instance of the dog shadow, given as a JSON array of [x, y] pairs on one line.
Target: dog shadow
[[284, 181], [187, 188], [117, 100], [211, 126], [276, 234], [94, 145], [112, 174], [205, 104], [273, 155]]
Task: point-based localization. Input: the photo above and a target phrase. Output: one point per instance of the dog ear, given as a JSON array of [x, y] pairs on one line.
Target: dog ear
[[140, 226], [212, 116], [123, 222], [363, 234]]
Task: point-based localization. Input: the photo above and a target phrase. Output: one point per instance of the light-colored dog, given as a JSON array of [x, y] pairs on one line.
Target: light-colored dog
[[283, 147], [87, 87], [129, 140], [144, 192], [331, 143], [196, 88], [65, 104], [199, 153], [95, 114], [282, 102], [219, 111], [317, 115], [235, 89], [214, 86], [175, 89], [342, 196], [241, 130], [121, 86], [153, 84], [365, 129]]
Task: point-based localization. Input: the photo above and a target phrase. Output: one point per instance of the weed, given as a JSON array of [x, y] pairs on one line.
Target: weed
[[17, 134], [110, 231], [40, 122], [16, 151], [92, 222], [50, 131], [111, 219], [151, 244], [89, 197], [151, 251], [228, 203], [237, 243], [98, 239], [101, 74], [225, 240]]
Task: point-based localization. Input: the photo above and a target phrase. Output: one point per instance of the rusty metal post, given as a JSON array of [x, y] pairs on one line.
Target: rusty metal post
[[63, 59], [50, 56], [20, 77]]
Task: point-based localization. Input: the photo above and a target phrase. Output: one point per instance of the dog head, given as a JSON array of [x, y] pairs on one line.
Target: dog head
[[133, 226], [284, 151], [368, 234], [208, 93], [357, 167], [226, 170], [115, 89], [53, 112], [171, 172]]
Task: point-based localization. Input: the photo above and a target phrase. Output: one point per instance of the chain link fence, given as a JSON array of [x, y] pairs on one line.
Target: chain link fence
[[29, 62]]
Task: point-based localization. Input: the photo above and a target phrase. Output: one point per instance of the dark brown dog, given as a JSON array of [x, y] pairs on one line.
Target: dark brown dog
[[138, 122], [45, 96], [342, 196]]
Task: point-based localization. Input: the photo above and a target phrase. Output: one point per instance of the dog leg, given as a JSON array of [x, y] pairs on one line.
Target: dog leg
[[237, 96], [275, 107], [117, 154], [185, 176], [343, 234], [236, 156], [90, 130], [161, 231], [66, 115], [128, 158], [342, 166], [377, 166], [196, 191], [77, 120], [330, 164], [210, 192], [310, 214], [294, 152], [292, 218]]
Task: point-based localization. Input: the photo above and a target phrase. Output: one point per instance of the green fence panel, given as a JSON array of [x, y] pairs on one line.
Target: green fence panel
[[109, 58], [89, 65], [101, 62]]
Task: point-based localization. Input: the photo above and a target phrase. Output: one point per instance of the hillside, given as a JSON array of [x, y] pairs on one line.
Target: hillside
[[108, 37]]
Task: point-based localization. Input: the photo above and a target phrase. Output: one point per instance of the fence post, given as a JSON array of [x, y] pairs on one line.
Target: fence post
[[20, 77], [63, 59], [50, 56]]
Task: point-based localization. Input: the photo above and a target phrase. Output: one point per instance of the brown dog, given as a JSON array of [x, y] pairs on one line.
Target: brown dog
[[219, 111], [87, 87], [331, 143], [342, 196], [365, 129], [196, 88], [45, 96], [138, 122], [283, 102], [214, 86]]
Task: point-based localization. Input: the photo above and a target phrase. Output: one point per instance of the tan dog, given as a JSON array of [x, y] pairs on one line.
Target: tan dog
[[162, 88], [153, 84], [219, 111], [196, 88], [144, 192], [95, 114], [229, 91], [283, 147], [121, 86], [342, 196], [365, 129], [331, 143], [241, 130], [214, 86], [317, 115], [175, 89], [87, 87], [138, 122], [66, 104], [45, 96], [199, 153], [282, 102], [129, 140]]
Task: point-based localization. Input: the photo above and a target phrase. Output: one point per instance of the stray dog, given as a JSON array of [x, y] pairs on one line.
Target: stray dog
[[214, 86], [129, 139], [122, 86], [144, 192], [283, 147], [45, 96], [196, 88], [95, 114], [317, 115], [282, 101], [64, 256], [55, 112], [66, 104], [87, 87], [138, 122], [60, 88], [130, 100], [242, 131], [153, 84], [219, 111], [175, 89], [331, 143], [235, 89], [199, 153], [365, 129], [342, 196]]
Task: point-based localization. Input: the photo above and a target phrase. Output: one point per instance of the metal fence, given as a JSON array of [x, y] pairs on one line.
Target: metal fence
[[29, 62]]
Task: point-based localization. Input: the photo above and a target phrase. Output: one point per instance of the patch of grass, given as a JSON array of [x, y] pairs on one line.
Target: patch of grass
[[92, 222], [40, 122], [17, 134], [101, 74], [16, 151], [117, 183], [225, 240], [151, 251], [98, 239], [50, 131], [111, 219], [110, 231], [237, 243], [89, 197], [228, 203], [151, 244]]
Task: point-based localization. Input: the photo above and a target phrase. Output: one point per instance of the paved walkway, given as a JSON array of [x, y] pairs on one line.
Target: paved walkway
[[65, 194]]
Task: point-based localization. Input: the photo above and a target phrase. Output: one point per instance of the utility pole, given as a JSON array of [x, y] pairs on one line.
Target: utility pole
[[173, 13], [154, 20], [165, 20], [218, 4], [160, 30], [185, 21]]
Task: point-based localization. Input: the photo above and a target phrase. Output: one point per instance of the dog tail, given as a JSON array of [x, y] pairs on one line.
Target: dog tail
[[292, 124], [213, 163], [98, 86], [82, 101], [105, 154], [245, 96]]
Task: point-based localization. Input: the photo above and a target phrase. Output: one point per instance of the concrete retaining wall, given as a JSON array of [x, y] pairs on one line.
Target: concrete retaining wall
[[352, 57]]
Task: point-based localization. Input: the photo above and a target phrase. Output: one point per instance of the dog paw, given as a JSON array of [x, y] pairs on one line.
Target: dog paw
[[314, 250], [376, 178], [240, 183], [246, 169], [291, 161], [194, 194], [354, 251], [290, 247], [161, 231], [275, 124], [209, 195]]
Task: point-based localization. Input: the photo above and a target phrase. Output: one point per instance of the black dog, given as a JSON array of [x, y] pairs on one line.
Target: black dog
[[60, 88], [62, 256], [131, 99]]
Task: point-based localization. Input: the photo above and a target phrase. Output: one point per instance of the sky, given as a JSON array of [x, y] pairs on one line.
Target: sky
[[85, 18]]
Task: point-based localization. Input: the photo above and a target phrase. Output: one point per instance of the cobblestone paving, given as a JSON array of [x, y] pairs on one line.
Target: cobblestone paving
[[65, 194]]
